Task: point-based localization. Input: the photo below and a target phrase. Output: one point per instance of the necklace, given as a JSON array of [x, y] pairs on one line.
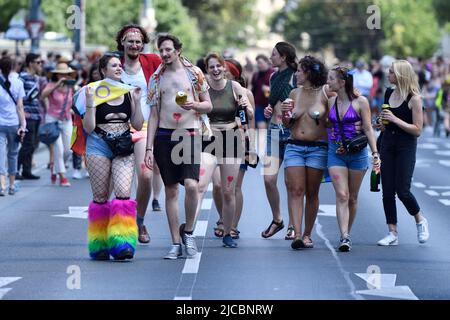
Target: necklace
[[312, 88]]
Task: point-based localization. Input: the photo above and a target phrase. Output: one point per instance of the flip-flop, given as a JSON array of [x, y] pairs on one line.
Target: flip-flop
[[280, 226], [290, 234], [234, 233]]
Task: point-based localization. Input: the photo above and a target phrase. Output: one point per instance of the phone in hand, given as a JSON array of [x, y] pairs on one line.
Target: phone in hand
[[69, 82]]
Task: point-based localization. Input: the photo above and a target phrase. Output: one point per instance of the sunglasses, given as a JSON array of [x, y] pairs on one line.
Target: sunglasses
[[38, 62], [112, 54]]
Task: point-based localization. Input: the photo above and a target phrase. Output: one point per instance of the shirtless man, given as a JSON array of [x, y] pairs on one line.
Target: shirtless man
[[171, 124]]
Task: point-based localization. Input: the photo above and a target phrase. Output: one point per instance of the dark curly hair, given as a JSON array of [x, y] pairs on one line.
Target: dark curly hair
[[120, 34], [316, 71]]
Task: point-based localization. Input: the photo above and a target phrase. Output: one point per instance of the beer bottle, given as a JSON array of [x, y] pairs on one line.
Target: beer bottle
[[241, 112], [375, 181], [385, 107]]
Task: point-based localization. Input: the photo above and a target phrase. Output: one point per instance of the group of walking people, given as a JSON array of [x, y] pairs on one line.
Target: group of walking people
[[190, 127]]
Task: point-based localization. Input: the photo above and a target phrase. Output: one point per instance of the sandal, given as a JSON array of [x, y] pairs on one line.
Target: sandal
[[234, 233], [290, 235], [218, 231], [307, 242], [266, 233]]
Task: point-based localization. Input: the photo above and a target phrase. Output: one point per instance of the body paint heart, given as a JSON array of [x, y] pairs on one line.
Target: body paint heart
[[230, 180], [202, 172], [177, 116]]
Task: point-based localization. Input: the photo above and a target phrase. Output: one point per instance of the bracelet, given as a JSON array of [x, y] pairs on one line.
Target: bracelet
[[149, 149], [376, 152], [93, 107]]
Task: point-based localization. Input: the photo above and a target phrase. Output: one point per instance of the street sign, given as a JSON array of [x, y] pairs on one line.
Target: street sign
[[35, 28]]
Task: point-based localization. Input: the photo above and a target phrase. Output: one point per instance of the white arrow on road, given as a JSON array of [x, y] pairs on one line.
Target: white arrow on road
[[445, 163], [75, 212], [5, 281], [442, 153], [327, 210], [386, 287]]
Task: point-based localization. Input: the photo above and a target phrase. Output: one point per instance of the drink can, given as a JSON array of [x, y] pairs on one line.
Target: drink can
[[181, 98], [385, 107]]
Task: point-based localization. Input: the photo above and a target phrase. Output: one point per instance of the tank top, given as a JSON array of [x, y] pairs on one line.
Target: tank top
[[348, 124], [402, 112], [224, 105], [104, 109]]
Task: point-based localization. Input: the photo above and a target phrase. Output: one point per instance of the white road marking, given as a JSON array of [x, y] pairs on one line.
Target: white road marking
[[419, 185], [200, 228], [446, 194], [344, 273], [4, 281], [207, 204], [192, 265], [440, 187], [427, 146], [210, 187], [432, 193], [386, 280], [447, 145], [327, 210], [442, 153], [182, 298], [445, 163], [400, 292], [75, 212], [445, 202]]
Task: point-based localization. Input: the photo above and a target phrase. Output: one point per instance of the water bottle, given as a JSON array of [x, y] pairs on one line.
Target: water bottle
[[375, 181], [242, 113]]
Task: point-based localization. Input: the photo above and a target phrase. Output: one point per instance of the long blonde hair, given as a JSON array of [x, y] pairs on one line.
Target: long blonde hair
[[407, 81]]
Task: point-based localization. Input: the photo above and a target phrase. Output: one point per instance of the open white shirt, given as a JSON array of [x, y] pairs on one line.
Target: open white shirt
[[8, 109], [138, 80]]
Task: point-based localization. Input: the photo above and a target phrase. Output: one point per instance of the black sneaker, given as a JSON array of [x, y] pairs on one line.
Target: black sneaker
[[155, 205], [345, 244], [19, 176], [30, 177]]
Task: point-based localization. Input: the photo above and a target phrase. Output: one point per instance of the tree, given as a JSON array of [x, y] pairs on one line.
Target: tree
[[407, 36], [174, 18], [408, 27], [341, 24], [8, 9], [442, 10], [223, 24]]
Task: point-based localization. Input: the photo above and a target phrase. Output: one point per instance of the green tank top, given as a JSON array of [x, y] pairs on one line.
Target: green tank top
[[224, 105]]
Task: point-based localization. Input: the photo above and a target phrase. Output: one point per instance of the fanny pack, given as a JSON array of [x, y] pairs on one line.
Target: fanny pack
[[121, 144], [355, 144]]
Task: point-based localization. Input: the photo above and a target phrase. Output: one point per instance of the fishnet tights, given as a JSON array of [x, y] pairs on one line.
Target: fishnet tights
[[101, 169]]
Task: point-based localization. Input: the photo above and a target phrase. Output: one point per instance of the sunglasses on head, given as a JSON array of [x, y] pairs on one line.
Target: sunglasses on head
[[112, 54]]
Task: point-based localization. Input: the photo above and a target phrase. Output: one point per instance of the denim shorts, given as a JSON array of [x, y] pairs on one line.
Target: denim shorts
[[96, 146], [277, 136], [306, 156], [354, 161], [259, 115]]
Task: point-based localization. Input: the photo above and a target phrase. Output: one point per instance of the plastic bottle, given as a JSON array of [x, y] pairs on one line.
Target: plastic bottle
[[242, 113], [375, 181]]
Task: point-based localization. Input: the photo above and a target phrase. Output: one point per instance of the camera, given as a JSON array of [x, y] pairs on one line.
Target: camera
[[69, 82]]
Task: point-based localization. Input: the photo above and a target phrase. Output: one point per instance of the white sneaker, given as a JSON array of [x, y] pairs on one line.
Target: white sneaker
[[390, 240], [175, 252], [77, 174], [423, 232], [191, 246]]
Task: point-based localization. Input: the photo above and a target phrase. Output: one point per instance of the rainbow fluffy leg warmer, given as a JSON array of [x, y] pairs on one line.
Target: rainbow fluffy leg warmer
[[122, 229], [98, 220]]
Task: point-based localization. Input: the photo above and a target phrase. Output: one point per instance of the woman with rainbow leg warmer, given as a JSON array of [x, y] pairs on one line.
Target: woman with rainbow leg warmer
[[112, 228]]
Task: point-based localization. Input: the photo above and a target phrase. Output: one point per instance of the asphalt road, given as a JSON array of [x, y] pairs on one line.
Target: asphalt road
[[44, 255]]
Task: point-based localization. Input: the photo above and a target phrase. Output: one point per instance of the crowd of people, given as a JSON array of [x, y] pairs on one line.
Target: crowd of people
[[179, 123]]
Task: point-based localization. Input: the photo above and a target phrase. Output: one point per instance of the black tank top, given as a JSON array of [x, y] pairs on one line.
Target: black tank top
[[104, 109], [402, 112]]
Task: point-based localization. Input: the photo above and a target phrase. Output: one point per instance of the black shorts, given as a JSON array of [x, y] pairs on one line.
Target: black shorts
[[225, 144], [177, 160]]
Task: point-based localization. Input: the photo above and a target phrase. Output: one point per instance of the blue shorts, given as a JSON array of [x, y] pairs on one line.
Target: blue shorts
[[306, 155], [354, 161], [278, 137], [259, 115], [96, 146]]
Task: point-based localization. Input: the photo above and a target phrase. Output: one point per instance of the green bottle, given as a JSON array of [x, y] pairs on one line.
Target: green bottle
[[375, 181]]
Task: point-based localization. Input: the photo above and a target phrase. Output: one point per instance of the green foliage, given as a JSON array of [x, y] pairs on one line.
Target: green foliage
[[410, 28], [223, 24], [8, 9], [442, 9], [174, 18]]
